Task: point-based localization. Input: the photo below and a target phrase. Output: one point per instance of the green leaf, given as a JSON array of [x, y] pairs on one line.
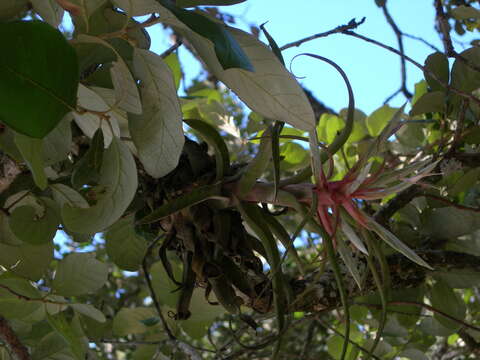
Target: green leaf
[[432, 326], [118, 179], [430, 102], [89, 122], [444, 298], [77, 346], [191, 3], [195, 196], [130, 320], [33, 228], [57, 144], [11, 305], [463, 76], [269, 90], [450, 222], [174, 64], [397, 244], [32, 152], [437, 63], [463, 12], [90, 311], [29, 261], [377, 120], [257, 166], [87, 170], [138, 7], [62, 194], [328, 127], [157, 133], [124, 247], [413, 354], [164, 287], [213, 139], [459, 278], [228, 51], [79, 273], [359, 127], [48, 86], [49, 346], [12, 8], [49, 10], [349, 261]]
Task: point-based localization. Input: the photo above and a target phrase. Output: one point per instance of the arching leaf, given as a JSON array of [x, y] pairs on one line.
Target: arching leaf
[[118, 181]]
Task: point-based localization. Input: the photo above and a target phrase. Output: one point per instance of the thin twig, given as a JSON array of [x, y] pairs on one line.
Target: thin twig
[[418, 38], [171, 49], [352, 24], [399, 36], [444, 29]]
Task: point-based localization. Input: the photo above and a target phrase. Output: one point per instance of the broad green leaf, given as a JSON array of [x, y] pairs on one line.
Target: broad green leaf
[[437, 63], [118, 179], [87, 170], [450, 222], [328, 127], [466, 182], [12, 8], [191, 3], [257, 166], [49, 346], [166, 290], [335, 344], [444, 298], [29, 261], [463, 76], [90, 311], [49, 10], [459, 278], [79, 273], [463, 12], [65, 329], [58, 143], [421, 88], [174, 64], [430, 102], [431, 326], [100, 115], [32, 152], [359, 130], [382, 350], [124, 247], [397, 244], [126, 91], [413, 354], [11, 305], [138, 7], [82, 10], [33, 228], [6, 235], [157, 133], [226, 47], [62, 194], [48, 86], [129, 320], [377, 120], [269, 90]]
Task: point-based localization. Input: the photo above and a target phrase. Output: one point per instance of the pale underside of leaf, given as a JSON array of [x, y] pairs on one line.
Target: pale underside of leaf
[[119, 177], [89, 122], [158, 132], [269, 90], [138, 7], [126, 90], [49, 10]]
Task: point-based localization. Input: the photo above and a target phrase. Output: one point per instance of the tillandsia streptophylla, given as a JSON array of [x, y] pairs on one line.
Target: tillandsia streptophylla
[[337, 201]]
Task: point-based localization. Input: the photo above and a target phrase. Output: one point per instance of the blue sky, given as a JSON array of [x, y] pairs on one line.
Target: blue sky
[[373, 72]]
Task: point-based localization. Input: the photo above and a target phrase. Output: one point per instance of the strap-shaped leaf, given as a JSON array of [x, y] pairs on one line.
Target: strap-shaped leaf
[[213, 138], [195, 196]]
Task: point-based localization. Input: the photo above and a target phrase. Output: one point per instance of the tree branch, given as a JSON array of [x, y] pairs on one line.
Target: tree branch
[[11, 340]]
